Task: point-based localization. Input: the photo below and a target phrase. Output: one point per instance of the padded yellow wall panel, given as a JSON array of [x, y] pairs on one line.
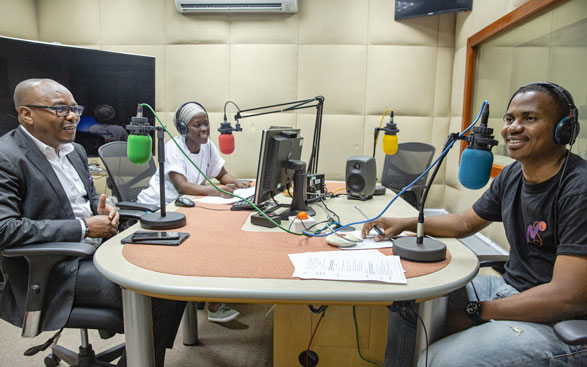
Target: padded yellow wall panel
[[333, 22], [197, 73], [383, 29], [342, 137], [264, 28], [181, 28], [262, 75], [57, 19], [132, 22], [18, 18], [444, 63], [335, 71], [458, 82], [401, 77]]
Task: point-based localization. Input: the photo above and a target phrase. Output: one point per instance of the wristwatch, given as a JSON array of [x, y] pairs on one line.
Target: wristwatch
[[473, 310]]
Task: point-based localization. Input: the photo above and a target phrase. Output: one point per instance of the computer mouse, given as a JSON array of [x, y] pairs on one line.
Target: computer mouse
[[184, 202], [342, 239]]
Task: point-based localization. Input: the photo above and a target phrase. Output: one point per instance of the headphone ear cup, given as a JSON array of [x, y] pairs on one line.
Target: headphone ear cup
[[181, 127], [563, 131]]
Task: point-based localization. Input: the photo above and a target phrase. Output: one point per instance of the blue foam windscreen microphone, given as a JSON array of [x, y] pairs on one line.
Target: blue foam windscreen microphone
[[477, 159]]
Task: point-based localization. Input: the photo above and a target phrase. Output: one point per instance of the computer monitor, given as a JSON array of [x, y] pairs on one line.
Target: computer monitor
[[279, 167]]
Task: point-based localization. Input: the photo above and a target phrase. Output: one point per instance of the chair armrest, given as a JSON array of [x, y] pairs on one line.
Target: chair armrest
[[573, 332], [131, 214], [42, 258], [79, 249], [497, 262], [492, 260], [137, 206]]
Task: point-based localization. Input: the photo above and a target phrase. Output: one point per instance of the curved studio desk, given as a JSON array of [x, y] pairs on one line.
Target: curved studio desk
[[139, 284]]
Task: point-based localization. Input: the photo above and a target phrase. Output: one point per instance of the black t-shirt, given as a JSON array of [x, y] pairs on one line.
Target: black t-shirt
[[531, 220]]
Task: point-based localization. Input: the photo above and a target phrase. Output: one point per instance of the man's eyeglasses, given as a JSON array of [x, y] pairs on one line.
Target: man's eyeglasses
[[61, 110]]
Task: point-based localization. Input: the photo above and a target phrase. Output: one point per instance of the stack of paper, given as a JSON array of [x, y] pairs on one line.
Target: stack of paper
[[370, 265]]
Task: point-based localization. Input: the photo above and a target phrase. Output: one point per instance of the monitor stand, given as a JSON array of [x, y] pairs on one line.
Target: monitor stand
[[299, 201]]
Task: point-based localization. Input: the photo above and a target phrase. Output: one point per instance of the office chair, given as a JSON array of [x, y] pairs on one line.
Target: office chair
[[90, 142], [41, 259], [572, 332], [401, 168], [126, 179]]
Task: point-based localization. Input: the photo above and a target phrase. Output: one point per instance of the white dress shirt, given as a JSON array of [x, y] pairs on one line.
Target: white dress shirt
[[69, 179]]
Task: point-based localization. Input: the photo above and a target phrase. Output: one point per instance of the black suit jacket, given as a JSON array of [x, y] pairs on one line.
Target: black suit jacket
[[34, 208]]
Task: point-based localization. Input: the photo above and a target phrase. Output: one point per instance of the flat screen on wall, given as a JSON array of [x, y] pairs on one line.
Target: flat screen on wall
[[108, 84], [419, 8]]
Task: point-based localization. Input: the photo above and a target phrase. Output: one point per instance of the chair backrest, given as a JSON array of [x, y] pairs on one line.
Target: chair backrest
[[410, 160], [125, 178]]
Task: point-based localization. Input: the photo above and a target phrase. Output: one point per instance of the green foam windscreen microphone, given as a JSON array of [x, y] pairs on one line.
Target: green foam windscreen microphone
[[139, 148]]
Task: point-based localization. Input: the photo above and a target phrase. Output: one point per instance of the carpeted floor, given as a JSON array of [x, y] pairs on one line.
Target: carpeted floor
[[243, 342]]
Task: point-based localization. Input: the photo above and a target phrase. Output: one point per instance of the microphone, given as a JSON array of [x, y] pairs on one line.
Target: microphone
[[226, 139], [477, 159], [389, 141], [140, 144]]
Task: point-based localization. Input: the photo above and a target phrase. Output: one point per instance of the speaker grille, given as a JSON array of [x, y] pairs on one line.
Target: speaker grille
[[356, 182]]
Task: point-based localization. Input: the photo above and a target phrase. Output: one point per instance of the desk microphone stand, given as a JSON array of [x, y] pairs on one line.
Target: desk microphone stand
[[421, 248], [160, 219]]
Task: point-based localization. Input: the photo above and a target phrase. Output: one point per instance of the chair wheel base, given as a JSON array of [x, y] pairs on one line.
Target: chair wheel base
[[52, 360]]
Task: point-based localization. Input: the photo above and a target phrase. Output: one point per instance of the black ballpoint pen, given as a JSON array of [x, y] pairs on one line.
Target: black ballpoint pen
[[375, 227]]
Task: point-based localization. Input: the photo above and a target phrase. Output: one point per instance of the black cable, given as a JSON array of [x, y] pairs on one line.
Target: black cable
[[426, 335], [556, 198], [327, 208]]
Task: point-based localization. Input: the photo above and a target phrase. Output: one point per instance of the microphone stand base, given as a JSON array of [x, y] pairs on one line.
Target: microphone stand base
[[170, 221], [430, 250]]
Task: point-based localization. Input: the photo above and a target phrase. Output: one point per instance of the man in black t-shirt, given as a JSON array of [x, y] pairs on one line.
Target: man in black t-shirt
[[541, 199]]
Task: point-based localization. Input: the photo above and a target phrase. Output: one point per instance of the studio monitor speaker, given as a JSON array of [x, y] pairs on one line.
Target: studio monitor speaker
[[360, 177]]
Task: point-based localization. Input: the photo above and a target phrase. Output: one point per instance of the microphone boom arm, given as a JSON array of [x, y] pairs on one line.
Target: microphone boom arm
[[317, 102]]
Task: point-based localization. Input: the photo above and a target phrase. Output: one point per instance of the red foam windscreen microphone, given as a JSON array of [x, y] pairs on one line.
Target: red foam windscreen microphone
[[226, 143]]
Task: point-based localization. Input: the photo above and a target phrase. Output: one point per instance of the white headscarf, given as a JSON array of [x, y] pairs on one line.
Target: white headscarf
[[188, 111]]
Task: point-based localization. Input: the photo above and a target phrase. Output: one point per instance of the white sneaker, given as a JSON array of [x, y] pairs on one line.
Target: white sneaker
[[224, 314]]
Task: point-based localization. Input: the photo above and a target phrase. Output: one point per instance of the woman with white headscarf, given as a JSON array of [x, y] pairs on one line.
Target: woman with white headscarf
[[181, 177]]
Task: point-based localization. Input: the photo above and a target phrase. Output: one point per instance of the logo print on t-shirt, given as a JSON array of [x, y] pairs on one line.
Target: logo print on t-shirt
[[532, 235]]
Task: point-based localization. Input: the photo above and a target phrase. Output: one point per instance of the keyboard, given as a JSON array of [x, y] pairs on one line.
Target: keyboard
[[243, 205]]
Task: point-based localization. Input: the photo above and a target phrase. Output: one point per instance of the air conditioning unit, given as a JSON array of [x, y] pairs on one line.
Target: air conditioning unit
[[236, 6]]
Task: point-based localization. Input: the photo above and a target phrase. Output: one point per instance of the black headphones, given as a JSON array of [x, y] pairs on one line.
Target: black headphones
[[182, 126], [567, 129]]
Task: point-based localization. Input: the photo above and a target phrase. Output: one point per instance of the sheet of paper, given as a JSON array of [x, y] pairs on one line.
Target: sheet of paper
[[245, 193], [368, 265], [368, 242]]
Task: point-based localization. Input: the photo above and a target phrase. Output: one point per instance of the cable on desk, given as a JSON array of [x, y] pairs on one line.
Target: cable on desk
[[357, 337]]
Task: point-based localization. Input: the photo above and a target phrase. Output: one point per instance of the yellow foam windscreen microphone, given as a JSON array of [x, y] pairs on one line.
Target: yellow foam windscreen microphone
[[389, 143]]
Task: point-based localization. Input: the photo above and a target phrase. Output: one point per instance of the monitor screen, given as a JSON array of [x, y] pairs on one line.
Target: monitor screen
[[109, 85], [278, 146], [419, 8]]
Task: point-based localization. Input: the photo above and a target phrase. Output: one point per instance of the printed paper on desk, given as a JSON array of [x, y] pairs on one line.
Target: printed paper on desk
[[245, 193], [368, 265]]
